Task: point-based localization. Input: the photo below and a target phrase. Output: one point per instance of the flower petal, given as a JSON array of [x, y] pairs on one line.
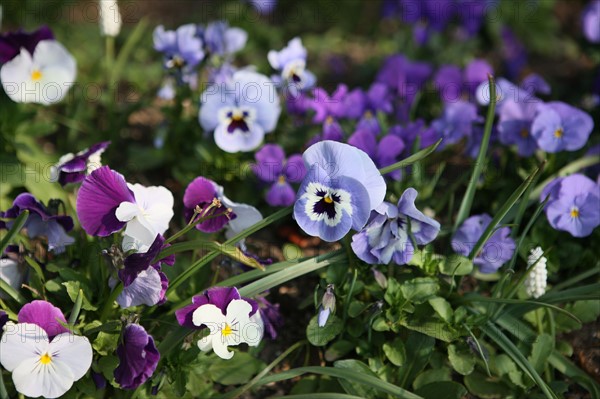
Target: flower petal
[[34, 379], [45, 315], [74, 351], [21, 342]]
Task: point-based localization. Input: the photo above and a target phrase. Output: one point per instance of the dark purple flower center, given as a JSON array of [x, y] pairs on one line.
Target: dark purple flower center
[[326, 204], [238, 122]]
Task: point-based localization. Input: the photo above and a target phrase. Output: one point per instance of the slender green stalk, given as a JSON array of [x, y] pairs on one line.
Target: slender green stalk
[[14, 294], [76, 308], [17, 225], [109, 302], [411, 159], [467, 201]]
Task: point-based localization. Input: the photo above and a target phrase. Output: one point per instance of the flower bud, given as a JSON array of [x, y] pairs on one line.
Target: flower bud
[[380, 278], [110, 18], [535, 284]]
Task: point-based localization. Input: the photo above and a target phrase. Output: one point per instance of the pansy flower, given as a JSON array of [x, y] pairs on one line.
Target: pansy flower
[[456, 121], [143, 281], [12, 42], [515, 123], [404, 76], [73, 168], [106, 203], [183, 50], [411, 131], [222, 40], [138, 357], [231, 319], [240, 112], [272, 167], [13, 270], [384, 153], [340, 189], [219, 211], [558, 127], [386, 237], [498, 249], [270, 315], [40, 73], [574, 204], [291, 63], [42, 222], [591, 21], [44, 357]]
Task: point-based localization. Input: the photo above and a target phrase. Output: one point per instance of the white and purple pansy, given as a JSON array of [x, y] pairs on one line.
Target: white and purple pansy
[[340, 189], [106, 203], [73, 168], [291, 63], [241, 111]]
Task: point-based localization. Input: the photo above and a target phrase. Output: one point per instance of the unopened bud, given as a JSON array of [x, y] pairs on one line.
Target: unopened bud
[[380, 278]]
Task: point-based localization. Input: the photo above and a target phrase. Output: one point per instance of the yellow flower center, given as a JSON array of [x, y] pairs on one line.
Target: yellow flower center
[[524, 133], [45, 358], [227, 330], [368, 114], [327, 199], [281, 179], [36, 75], [329, 120], [558, 133], [574, 212]]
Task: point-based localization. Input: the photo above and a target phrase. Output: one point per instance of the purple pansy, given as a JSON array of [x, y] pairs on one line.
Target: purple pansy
[[386, 237], [223, 40], [136, 263], [513, 52], [514, 125], [448, 81], [100, 195], [591, 21], [384, 153], [263, 6], [291, 64], [271, 316], [218, 296], [73, 168], [404, 76], [456, 121], [534, 83], [42, 222], [45, 315], [574, 204], [241, 111], [340, 189], [559, 126], [411, 131], [12, 42], [476, 72], [138, 357], [498, 249], [182, 48], [272, 167]]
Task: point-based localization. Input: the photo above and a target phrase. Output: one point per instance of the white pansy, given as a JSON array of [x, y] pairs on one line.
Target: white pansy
[[40, 367], [233, 328], [44, 77], [536, 282], [110, 18], [149, 215]]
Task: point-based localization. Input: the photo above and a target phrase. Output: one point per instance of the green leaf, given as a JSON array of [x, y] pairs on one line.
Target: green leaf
[[486, 388], [540, 351], [431, 326], [393, 294], [503, 365], [96, 326], [418, 350], [36, 129], [442, 307], [338, 349], [461, 359], [73, 289], [467, 201], [106, 343], [356, 308], [351, 375], [411, 159], [420, 289], [321, 336], [235, 371], [355, 388], [395, 351], [586, 311], [442, 390], [433, 375], [456, 265], [17, 225]]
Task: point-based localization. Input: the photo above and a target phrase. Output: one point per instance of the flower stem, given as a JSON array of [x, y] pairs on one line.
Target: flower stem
[[109, 303]]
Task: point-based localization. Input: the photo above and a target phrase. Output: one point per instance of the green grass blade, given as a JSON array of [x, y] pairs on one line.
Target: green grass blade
[[211, 255], [509, 347], [526, 303], [18, 224], [290, 273], [10, 291], [76, 308], [504, 210], [467, 201], [125, 53], [321, 396], [411, 159], [349, 375]]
